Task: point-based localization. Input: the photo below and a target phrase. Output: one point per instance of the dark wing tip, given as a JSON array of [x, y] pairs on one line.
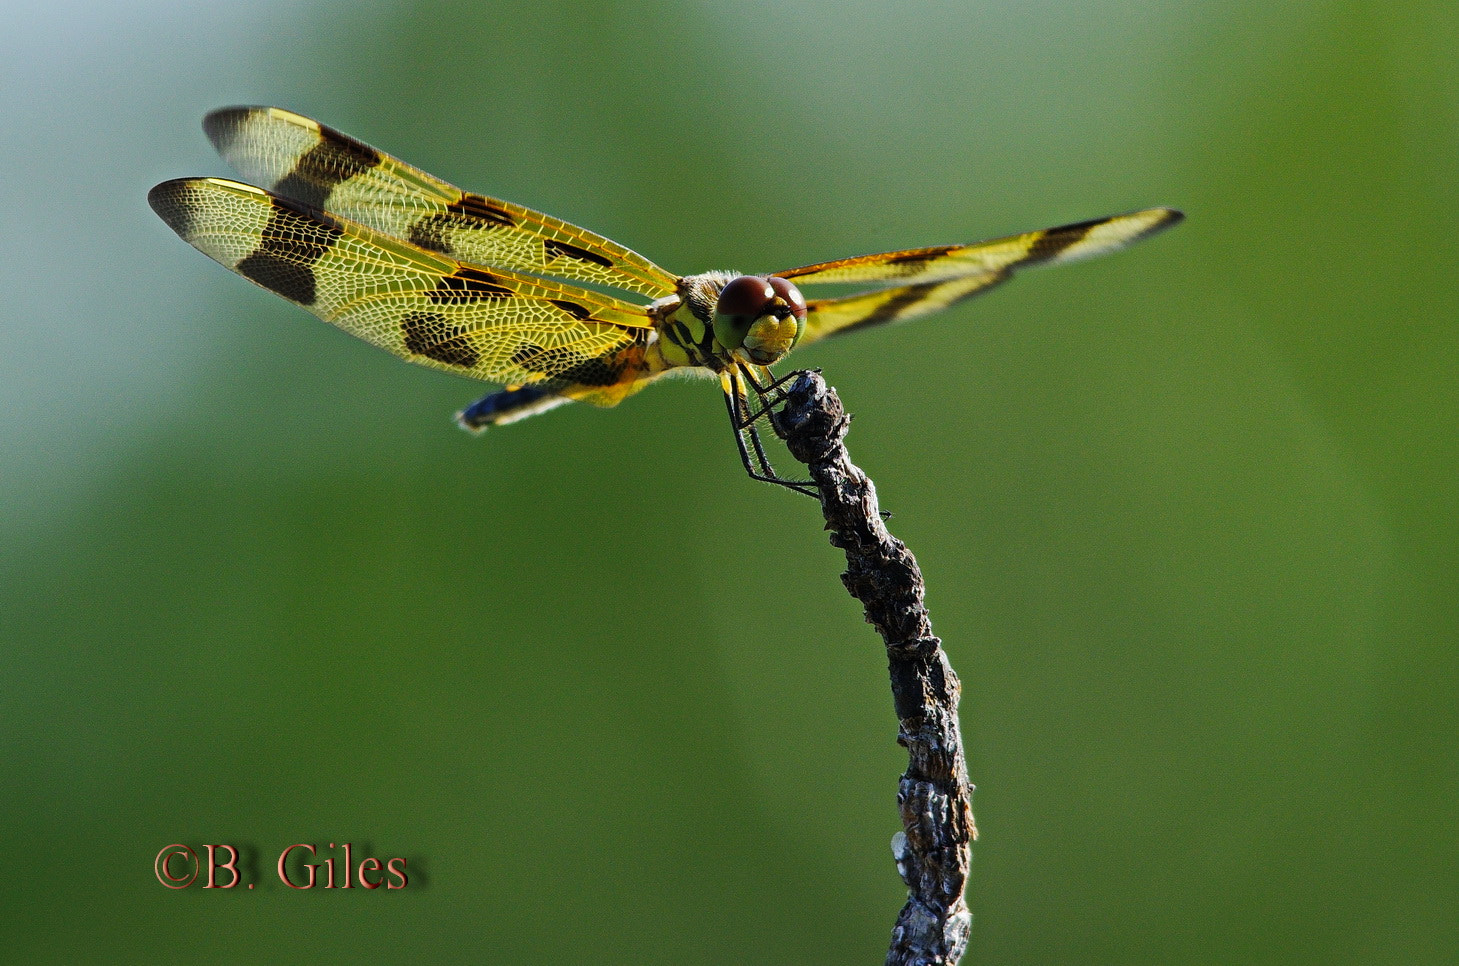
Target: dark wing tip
[[169, 200], [1169, 218], [1173, 217], [223, 124]]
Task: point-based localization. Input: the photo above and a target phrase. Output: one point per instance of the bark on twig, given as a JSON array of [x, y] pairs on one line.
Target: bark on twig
[[934, 853]]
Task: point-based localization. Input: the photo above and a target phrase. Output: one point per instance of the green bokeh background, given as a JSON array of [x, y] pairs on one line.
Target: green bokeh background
[[1187, 515]]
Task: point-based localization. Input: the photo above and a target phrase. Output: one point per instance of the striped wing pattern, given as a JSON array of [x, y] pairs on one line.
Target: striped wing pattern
[[1051, 246], [931, 279], [837, 316], [301, 159], [424, 307], [464, 283]]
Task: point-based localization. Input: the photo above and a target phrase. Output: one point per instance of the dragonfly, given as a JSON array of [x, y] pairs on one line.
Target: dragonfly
[[485, 288]]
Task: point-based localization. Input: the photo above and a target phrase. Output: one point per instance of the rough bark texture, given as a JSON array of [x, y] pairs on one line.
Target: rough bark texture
[[934, 852]]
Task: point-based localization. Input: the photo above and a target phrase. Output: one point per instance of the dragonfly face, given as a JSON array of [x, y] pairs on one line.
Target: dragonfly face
[[758, 319], [488, 289]]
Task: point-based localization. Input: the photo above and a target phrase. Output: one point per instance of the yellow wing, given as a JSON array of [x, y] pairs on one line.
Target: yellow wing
[[301, 159], [836, 316], [424, 307], [935, 278], [1052, 246]]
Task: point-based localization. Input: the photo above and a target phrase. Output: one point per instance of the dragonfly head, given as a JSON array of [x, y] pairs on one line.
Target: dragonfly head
[[758, 319]]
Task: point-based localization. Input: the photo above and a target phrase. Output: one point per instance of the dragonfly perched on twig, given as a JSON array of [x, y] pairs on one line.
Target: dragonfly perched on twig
[[480, 287]]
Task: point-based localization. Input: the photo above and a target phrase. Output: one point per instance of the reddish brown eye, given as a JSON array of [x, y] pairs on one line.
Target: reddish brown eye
[[746, 296], [787, 291]]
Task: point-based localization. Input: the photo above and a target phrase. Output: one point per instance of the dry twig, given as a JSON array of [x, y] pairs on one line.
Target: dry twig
[[934, 852]]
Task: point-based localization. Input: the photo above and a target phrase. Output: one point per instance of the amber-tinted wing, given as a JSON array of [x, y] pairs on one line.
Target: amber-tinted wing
[[932, 279], [422, 306], [301, 159], [835, 316], [1051, 246]]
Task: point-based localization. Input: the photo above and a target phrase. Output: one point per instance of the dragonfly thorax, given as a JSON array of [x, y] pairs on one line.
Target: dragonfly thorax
[[725, 319]]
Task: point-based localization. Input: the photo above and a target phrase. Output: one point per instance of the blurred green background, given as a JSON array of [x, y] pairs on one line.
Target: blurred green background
[[1188, 515]]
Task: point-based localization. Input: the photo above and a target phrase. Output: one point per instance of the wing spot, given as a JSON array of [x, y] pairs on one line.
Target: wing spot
[[334, 160], [893, 308], [526, 354], [291, 243], [468, 284], [477, 208], [921, 255], [280, 275], [430, 233], [1055, 241], [434, 336], [469, 212], [594, 372], [559, 249], [573, 309], [565, 366]]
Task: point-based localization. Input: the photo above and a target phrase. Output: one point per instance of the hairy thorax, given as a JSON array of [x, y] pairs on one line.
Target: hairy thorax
[[685, 323]]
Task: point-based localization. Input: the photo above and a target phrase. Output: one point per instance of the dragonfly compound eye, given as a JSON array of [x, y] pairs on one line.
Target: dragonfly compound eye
[[744, 296], [741, 302]]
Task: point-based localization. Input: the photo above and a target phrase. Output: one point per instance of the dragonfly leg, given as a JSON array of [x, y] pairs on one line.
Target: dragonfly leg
[[770, 394], [747, 423], [775, 384], [756, 463]]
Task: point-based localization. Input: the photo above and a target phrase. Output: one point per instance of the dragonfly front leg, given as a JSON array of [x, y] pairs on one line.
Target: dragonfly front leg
[[770, 394], [756, 463], [772, 384]]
